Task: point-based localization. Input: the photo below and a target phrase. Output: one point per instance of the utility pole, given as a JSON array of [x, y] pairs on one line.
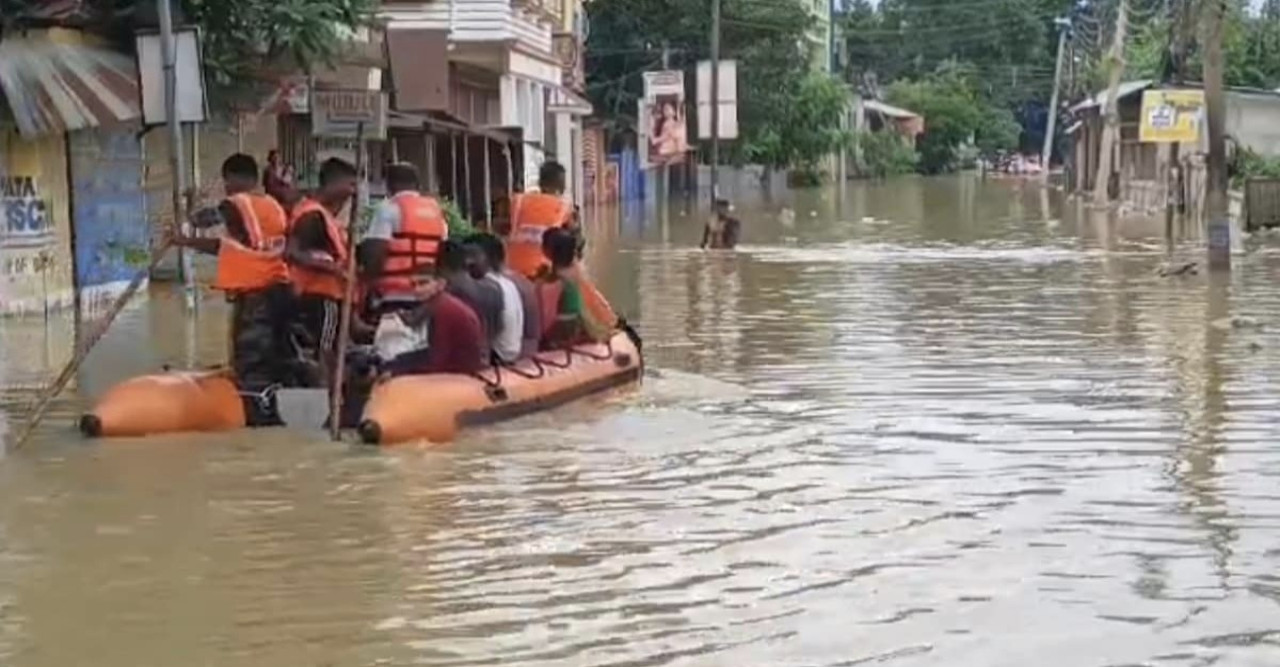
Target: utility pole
[[1064, 25], [177, 154], [1111, 128], [715, 101], [664, 171], [1218, 215], [1175, 72]]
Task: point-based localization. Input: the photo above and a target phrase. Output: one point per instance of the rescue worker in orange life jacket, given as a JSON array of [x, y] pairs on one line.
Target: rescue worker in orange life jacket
[[252, 271], [532, 215], [317, 254], [403, 241]]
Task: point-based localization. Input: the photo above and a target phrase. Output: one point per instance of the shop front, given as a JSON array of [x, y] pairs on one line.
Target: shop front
[[36, 272]]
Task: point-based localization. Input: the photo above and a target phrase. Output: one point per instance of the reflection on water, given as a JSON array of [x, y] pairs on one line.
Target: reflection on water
[[927, 422]]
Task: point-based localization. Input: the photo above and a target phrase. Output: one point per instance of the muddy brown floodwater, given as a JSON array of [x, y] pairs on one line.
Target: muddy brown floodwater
[[921, 423]]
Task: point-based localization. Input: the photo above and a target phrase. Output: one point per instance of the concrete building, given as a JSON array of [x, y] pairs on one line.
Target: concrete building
[[567, 103], [509, 65], [822, 35]]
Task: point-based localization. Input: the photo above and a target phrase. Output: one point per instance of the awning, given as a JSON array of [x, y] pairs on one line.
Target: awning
[[1126, 89], [564, 100], [52, 87], [443, 121]]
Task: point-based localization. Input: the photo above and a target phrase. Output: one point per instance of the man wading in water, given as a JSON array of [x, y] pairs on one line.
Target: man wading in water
[[722, 230]]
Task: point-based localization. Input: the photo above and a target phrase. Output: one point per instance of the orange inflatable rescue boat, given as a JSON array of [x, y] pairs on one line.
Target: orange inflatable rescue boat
[[403, 409]]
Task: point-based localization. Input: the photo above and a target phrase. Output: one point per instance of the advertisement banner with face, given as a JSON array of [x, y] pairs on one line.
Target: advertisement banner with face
[[663, 117]]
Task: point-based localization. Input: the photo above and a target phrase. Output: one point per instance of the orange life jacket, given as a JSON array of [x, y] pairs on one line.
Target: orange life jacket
[[531, 216], [260, 263], [415, 246], [308, 281]]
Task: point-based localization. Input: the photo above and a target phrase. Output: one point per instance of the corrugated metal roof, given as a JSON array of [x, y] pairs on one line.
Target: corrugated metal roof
[[1126, 89], [52, 87]]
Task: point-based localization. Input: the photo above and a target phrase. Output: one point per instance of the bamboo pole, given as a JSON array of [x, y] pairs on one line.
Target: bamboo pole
[[348, 299], [86, 345]]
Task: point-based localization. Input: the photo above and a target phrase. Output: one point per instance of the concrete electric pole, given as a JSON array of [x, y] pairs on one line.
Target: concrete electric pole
[[1217, 206], [1064, 26], [1111, 126]]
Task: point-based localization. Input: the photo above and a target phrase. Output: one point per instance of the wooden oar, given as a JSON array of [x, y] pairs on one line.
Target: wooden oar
[[41, 404]]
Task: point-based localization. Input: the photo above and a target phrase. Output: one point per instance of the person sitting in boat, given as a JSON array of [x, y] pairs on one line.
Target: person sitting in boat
[[566, 318], [463, 269], [722, 230], [532, 215], [251, 270], [317, 254], [453, 332], [405, 237], [520, 316]]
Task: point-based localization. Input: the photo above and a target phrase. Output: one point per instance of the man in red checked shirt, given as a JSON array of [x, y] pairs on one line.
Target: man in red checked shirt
[[455, 337]]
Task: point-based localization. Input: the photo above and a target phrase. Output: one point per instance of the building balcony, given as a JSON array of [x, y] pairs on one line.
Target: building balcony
[[523, 24]]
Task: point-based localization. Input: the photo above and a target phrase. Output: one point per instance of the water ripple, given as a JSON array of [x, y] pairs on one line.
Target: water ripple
[[949, 434]]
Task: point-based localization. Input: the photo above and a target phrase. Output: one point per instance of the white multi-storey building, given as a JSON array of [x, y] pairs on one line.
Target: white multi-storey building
[[505, 67]]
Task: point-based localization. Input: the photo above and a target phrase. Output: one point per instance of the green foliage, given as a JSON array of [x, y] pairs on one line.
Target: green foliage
[[459, 225], [954, 113], [999, 131], [1010, 43], [802, 128], [887, 154], [968, 67], [1246, 164], [767, 38], [240, 34], [1250, 42]]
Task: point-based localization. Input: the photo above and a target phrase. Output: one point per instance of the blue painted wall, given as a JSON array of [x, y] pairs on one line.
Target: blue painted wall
[[108, 207]]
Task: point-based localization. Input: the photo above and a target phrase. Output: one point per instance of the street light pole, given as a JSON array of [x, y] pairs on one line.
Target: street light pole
[[177, 153]]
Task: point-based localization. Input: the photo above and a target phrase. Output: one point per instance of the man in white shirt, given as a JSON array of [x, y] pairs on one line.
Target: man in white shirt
[[393, 240], [509, 345]]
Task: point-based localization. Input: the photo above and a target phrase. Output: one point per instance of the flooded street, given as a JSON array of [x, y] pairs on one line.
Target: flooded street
[[927, 422]]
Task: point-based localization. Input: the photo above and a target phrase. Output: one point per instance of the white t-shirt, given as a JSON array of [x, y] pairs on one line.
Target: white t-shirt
[[508, 342], [386, 220]]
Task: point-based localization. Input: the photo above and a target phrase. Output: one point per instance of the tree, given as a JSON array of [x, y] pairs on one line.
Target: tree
[[802, 129], [954, 113], [239, 35], [766, 38], [886, 153], [1011, 43]]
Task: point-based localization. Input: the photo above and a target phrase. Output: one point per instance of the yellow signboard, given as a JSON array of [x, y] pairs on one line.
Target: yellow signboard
[[1171, 116]]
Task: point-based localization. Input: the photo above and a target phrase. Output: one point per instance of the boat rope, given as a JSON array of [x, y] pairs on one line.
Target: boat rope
[[263, 398]]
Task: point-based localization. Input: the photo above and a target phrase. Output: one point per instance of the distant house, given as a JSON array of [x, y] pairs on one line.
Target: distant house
[[870, 115], [1141, 171], [878, 117]]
